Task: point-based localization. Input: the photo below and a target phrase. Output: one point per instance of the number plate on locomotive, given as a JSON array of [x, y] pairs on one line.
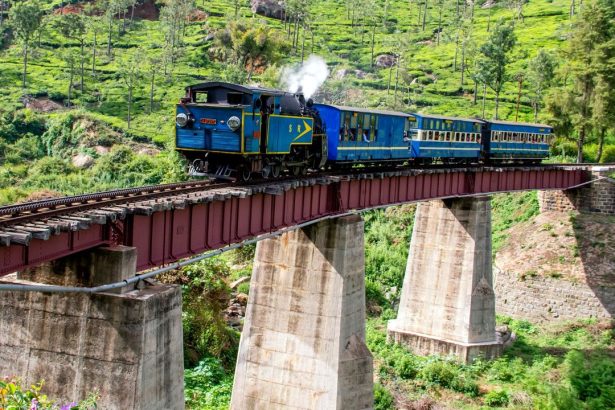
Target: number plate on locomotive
[[210, 121]]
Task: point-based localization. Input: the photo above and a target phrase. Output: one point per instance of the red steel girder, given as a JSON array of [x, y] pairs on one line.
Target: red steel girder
[[168, 235]]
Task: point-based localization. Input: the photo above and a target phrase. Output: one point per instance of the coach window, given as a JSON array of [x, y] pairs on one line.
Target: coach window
[[365, 128], [353, 126], [359, 127], [347, 126], [373, 125]]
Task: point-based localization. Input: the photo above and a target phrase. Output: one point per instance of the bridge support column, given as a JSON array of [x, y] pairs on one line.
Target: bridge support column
[[126, 346], [303, 341], [447, 302]]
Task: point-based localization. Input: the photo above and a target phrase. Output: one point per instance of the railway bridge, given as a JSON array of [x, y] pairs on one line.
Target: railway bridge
[[78, 308]]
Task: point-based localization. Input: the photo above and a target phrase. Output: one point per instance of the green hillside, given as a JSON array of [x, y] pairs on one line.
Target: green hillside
[[95, 61], [427, 81]]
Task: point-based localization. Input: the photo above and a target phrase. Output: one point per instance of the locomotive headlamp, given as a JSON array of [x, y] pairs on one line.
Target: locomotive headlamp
[[182, 119], [233, 123]]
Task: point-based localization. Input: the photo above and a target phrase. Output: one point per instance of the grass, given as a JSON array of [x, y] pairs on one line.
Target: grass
[[549, 367], [508, 210]]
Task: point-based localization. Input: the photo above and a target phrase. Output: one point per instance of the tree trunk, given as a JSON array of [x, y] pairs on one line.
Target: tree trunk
[[456, 50], [94, 56], [535, 111], [151, 92], [497, 104], [70, 80], [82, 63], [420, 12], [373, 41], [303, 46], [25, 64], [463, 63], [439, 24], [312, 39], [132, 12], [580, 143], [484, 98], [424, 16], [396, 82], [129, 97], [389, 83], [601, 144], [109, 37], [1, 12], [518, 99], [572, 7], [475, 92]]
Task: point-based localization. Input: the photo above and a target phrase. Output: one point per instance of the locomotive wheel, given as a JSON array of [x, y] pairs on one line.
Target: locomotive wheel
[[266, 171], [275, 170], [245, 174]]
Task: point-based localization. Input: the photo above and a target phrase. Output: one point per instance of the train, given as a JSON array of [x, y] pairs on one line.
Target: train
[[232, 131]]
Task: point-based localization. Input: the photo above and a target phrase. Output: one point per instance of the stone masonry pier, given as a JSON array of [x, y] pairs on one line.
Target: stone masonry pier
[[127, 344], [303, 342], [447, 302], [597, 197]]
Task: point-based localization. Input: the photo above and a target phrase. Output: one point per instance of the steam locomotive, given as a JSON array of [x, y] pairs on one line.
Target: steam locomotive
[[233, 131]]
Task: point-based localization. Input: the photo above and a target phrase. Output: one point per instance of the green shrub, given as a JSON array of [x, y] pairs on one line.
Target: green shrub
[[244, 288], [25, 149], [608, 154], [558, 398], [383, 400], [593, 378], [564, 148], [205, 296], [439, 372], [208, 385], [497, 398], [506, 370], [465, 383], [374, 294]]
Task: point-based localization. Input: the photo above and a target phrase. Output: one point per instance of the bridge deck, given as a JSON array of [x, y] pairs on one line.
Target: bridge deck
[[169, 228]]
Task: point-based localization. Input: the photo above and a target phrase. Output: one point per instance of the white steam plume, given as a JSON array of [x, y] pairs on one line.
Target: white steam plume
[[307, 77]]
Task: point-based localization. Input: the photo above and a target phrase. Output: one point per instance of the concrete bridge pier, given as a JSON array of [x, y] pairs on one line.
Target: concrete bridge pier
[[303, 342], [125, 344], [447, 302]]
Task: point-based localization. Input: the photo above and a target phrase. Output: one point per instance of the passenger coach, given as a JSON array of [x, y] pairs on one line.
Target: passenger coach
[[355, 134], [518, 141], [446, 138]]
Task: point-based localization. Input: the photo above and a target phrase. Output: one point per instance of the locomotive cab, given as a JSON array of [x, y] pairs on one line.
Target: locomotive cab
[[232, 130]]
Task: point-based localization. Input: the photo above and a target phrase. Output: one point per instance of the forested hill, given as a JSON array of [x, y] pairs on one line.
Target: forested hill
[[175, 41], [121, 65]]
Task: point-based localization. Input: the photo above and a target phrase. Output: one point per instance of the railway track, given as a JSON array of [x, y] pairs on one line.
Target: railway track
[[28, 216]]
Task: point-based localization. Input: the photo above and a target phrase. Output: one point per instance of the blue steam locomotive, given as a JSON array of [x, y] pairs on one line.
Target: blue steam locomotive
[[233, 131]]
